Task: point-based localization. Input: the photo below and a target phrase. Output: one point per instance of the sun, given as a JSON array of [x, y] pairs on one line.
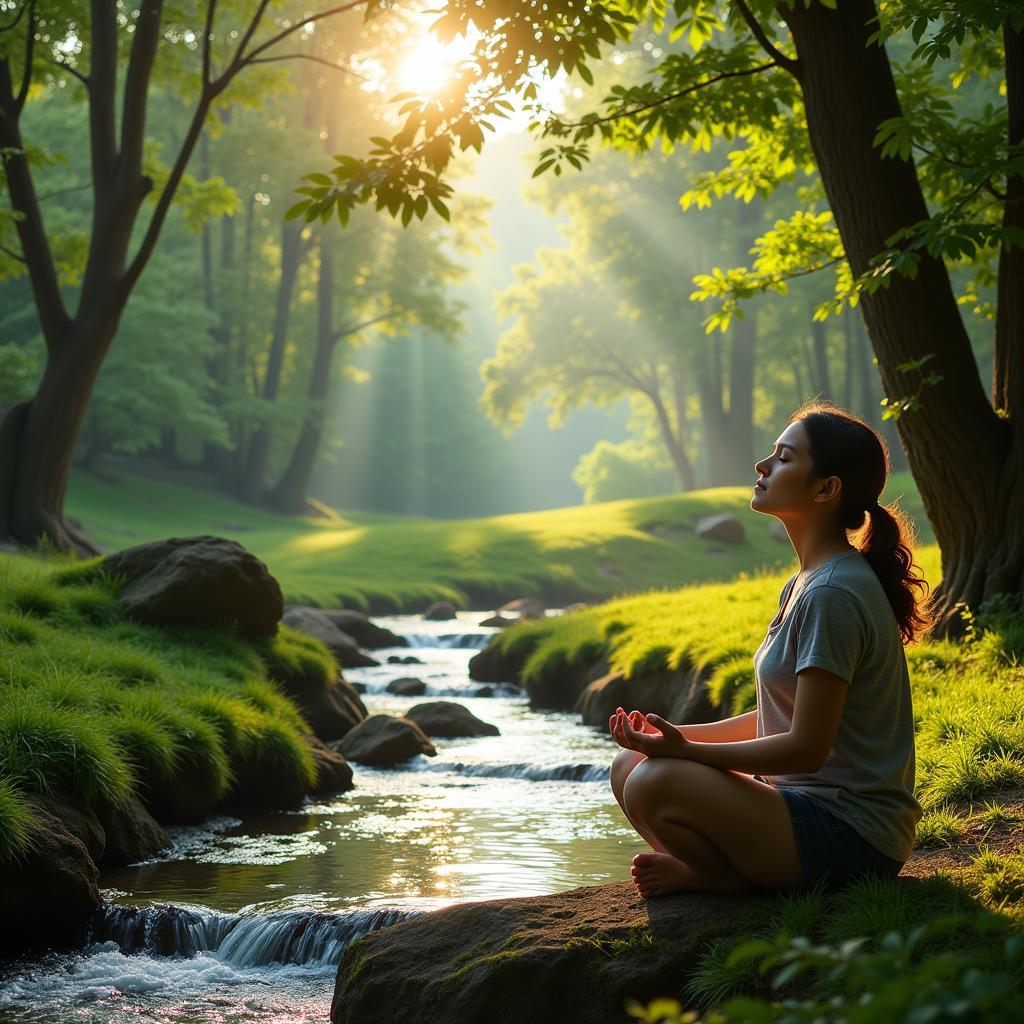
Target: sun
[[428, 64]]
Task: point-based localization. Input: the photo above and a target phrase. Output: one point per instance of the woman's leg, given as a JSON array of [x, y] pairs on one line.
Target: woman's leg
[[717, 829], [624, 763]]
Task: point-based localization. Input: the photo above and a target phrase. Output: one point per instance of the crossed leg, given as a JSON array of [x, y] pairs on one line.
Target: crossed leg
[[709, 829]]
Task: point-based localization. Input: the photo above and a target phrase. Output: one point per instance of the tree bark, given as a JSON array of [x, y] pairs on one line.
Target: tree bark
[[677, 453], [252, 486], [289, 496], [848, 91]]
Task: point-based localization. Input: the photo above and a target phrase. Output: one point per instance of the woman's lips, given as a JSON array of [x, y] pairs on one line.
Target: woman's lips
[[760, 487]]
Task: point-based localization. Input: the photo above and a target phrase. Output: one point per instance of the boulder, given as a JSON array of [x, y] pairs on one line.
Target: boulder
[[333, 772], [407, 686], [365, 633], [319, 625], [331, 710], [484, 691], [446, 718], [576, 606], [523, 608], [440, 611], [409, 659], [724, 527], [78, 818], [495, 665], [558, 686], [48, 899], [197, 579], [383, 740], [132, 833], [188, 797], [498, 621], [573, 956], [680, 696]]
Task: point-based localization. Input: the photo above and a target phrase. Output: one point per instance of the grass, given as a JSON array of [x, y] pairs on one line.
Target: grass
[[380, 563], [96, 707]]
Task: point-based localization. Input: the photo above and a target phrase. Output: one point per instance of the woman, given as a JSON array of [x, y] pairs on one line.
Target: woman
[[818, 781]]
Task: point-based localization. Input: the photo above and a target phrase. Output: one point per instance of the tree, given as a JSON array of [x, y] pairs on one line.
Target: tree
[[82, 47], [810, 85]]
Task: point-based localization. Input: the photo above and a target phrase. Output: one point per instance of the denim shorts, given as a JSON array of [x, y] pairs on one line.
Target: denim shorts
[[828, 848]]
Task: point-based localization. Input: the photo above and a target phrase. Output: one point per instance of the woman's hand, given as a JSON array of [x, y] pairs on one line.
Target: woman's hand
[[649, 734]]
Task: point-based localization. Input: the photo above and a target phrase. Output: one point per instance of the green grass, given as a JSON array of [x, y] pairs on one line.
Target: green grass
[[389, 562], [97, 707]]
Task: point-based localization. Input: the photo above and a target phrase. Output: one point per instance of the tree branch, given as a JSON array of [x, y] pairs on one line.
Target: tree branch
[[211, 7], [248, 33], [17, 18], [30, 45], [241, 60], [315, 60], [12, 254], [102, 89], [662, 100], [63, 192], [70, 70], [136, 85], [344, 332], [784, 62], [53, 317]]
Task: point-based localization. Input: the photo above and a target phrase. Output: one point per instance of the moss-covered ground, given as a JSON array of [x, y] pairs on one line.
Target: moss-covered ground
[[590, 552], [96, 707]]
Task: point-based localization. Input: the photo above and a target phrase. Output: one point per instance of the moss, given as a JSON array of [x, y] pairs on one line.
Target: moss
[[492, 960]]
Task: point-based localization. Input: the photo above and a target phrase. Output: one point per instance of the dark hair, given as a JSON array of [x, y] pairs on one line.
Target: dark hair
[[845, 446]]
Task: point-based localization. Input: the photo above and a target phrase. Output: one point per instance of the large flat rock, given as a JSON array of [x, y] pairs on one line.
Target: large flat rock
[[574, 956]]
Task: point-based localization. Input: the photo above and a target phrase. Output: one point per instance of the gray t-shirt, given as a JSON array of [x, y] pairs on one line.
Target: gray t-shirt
[[839, 619]]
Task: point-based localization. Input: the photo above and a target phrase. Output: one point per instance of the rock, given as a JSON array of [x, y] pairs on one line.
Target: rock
[[197, 579], [79, 819], [484, 691], [679, 696], [331, 710], [188, 797], [440, 611], [333, 772], [48, 899], [358, 687], [725, 527], [365, 633], [558, 686], [383, 740], [132, 833], [499, 621], [576, 606], [318, 624], [778, 531], [523, 608], [407, 686], [495, 665], [409, 659], [574, 956], [446, 718]]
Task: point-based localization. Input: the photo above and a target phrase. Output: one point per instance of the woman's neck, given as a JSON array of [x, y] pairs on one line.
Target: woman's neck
[[815, 544]]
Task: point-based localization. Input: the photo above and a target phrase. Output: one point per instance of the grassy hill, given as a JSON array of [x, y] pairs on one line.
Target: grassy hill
[[389, 562]]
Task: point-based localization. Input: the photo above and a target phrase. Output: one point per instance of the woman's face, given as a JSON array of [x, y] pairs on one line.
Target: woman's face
[[784, 481]]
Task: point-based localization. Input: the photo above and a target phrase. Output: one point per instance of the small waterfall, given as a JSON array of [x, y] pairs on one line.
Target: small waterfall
[[242, 940], [532, 772], [467, 641]]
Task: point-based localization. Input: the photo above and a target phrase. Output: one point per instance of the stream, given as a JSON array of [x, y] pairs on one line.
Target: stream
[[245, 920]]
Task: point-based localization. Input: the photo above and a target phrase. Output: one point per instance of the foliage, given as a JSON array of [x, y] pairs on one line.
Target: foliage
[[631, 469]]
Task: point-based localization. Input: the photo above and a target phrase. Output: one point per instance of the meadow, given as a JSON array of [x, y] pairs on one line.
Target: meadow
[[390, 563]]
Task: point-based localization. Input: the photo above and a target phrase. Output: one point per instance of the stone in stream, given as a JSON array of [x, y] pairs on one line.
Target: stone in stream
[[397, 659], [318, 624], [132, 833], [47, 899], [495, 665], [333, 772], [209, 580], [484, 691], [440, 611], [523, 608], [574, 956], [407, 686], [383, 740], [445, 718], [498, 621], [366, 633]]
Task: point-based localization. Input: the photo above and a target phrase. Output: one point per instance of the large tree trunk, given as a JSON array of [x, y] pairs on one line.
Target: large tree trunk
[[252, 486], [289, 495], [966, 460], [673, 442]]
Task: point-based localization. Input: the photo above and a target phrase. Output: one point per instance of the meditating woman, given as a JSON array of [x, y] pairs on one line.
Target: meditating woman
[[818, 781]]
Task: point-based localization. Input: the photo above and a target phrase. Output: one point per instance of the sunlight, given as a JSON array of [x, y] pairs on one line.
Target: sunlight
[[429, 64]]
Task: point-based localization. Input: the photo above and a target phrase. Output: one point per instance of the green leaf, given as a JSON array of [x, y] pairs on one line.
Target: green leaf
[[298, 209]]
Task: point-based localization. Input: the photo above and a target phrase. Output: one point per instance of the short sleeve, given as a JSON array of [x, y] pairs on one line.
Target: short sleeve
[[831, 632]]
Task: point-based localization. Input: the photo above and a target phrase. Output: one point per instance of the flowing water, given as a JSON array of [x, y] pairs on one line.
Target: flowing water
[[246, 920]]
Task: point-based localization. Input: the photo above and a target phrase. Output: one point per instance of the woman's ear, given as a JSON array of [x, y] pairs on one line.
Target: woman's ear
[[831, 487]]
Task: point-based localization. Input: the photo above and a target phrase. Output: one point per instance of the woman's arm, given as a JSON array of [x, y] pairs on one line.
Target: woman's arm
[[742, 727], [820, 696]]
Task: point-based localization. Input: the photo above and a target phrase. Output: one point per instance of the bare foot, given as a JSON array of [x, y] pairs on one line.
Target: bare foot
[[658, 874]]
